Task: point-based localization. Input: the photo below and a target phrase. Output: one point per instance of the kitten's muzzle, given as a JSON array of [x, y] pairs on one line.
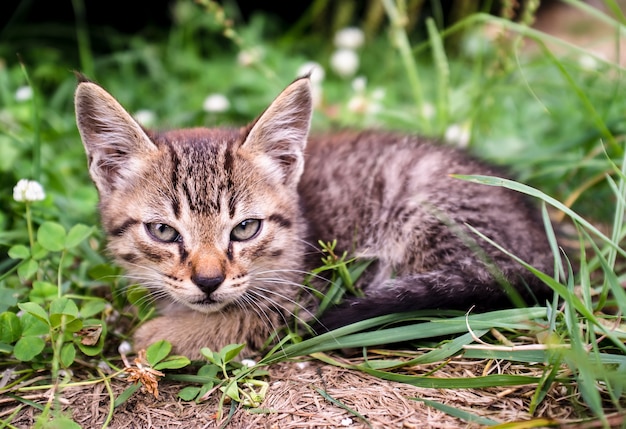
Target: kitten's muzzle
[[208, 285]]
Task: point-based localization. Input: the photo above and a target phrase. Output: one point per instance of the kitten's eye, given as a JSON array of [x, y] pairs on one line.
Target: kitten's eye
[[163, 232], [245, 230]]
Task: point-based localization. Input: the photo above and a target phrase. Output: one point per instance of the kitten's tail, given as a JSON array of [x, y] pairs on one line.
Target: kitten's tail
[[446, 289]]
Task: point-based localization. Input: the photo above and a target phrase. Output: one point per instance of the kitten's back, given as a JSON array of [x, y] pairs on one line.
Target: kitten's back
[[391, 198]]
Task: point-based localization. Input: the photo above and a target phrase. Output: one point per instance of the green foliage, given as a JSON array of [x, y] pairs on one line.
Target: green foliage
[[343, 274], [236, 381], [556, 123]]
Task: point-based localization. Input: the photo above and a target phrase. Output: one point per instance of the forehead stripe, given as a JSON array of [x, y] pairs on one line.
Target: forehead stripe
[[280, 220]]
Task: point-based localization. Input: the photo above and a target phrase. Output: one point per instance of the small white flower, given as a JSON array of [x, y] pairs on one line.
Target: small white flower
[[378, 93], [346, 422], [216, 103], [589, 63], [302, 365], [24, 93], [124, 348], [314, 70], [358, 104], [145, 117], [28, 191], [458, 134], [359, 84], [349, 38], [345, 62], [427, 110], [248, 362], [250, 56]]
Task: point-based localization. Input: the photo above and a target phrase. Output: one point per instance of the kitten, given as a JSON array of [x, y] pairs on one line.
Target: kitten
[[220, 223]]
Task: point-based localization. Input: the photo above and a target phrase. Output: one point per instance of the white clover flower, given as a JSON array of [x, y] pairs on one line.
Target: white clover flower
[[349, 38], [28, 191], [124, 348], [248, 57], [359, 83], [23, 93], [145, 117], [458, 134], [364, 102], [248, 362], [346, 422], [427, 110], [216, 103], [590, 63], [358, 104], [314, 70], [378, 93], [344, 62]]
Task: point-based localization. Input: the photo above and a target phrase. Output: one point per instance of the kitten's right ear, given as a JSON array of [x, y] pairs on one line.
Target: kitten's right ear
[[115, 143]]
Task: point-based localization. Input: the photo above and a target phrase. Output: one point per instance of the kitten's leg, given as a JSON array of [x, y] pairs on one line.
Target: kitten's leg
[[188, 331], [451, 288]]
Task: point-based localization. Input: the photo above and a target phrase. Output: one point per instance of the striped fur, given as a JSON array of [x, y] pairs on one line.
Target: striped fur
[[384, 196]]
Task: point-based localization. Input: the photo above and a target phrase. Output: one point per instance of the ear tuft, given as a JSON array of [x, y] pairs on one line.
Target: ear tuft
[[115, 143], [278, 137]]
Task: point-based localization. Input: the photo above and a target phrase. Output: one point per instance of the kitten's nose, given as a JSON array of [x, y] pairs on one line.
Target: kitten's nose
[[208, 285]]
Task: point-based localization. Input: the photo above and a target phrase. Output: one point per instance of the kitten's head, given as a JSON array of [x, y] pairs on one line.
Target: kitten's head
[[206, 217]]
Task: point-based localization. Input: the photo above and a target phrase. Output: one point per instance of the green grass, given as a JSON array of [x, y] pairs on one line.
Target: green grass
[[557, 125]]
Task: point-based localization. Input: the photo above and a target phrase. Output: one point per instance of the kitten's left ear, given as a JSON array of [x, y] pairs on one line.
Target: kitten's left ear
[[278, 137]]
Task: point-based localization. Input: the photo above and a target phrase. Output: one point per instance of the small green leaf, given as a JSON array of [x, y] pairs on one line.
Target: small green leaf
[[64, 306], [19, 251], [126, 394], [9, 297], [77, 234], [32, 325], [39, 252], [232, 391], [158, 351], [189, 393], [139, 297], [211, 356], [28, 347], [42, 292], [208, 371], [10, 327], [92, 307], [68, 353], [51, 236], [64, 311], [173, 362], [231, 351], [61, 422], [27, 269], [36, 310]]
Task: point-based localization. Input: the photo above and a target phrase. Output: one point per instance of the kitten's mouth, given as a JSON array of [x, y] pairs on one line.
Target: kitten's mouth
[[205, 301], [206, 305]]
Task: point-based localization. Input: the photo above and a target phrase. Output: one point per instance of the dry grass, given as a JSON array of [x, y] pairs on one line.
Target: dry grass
[[294, 401]]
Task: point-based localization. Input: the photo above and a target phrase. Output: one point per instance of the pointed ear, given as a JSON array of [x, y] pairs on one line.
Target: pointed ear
[[278, 137], [115, 143]]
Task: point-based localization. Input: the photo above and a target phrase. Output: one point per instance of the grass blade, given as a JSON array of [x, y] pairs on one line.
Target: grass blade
[[455, 412]]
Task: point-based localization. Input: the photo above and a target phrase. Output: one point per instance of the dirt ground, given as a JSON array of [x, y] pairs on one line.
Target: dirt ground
[[298, 398]]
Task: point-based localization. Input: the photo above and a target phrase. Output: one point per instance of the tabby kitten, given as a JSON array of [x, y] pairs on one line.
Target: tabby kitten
[[221, 224]]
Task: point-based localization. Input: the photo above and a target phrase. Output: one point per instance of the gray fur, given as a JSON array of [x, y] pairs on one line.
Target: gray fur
[[384, 196]]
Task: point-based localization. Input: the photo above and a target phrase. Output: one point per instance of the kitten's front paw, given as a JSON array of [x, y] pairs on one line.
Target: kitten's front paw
[[152, 331]]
